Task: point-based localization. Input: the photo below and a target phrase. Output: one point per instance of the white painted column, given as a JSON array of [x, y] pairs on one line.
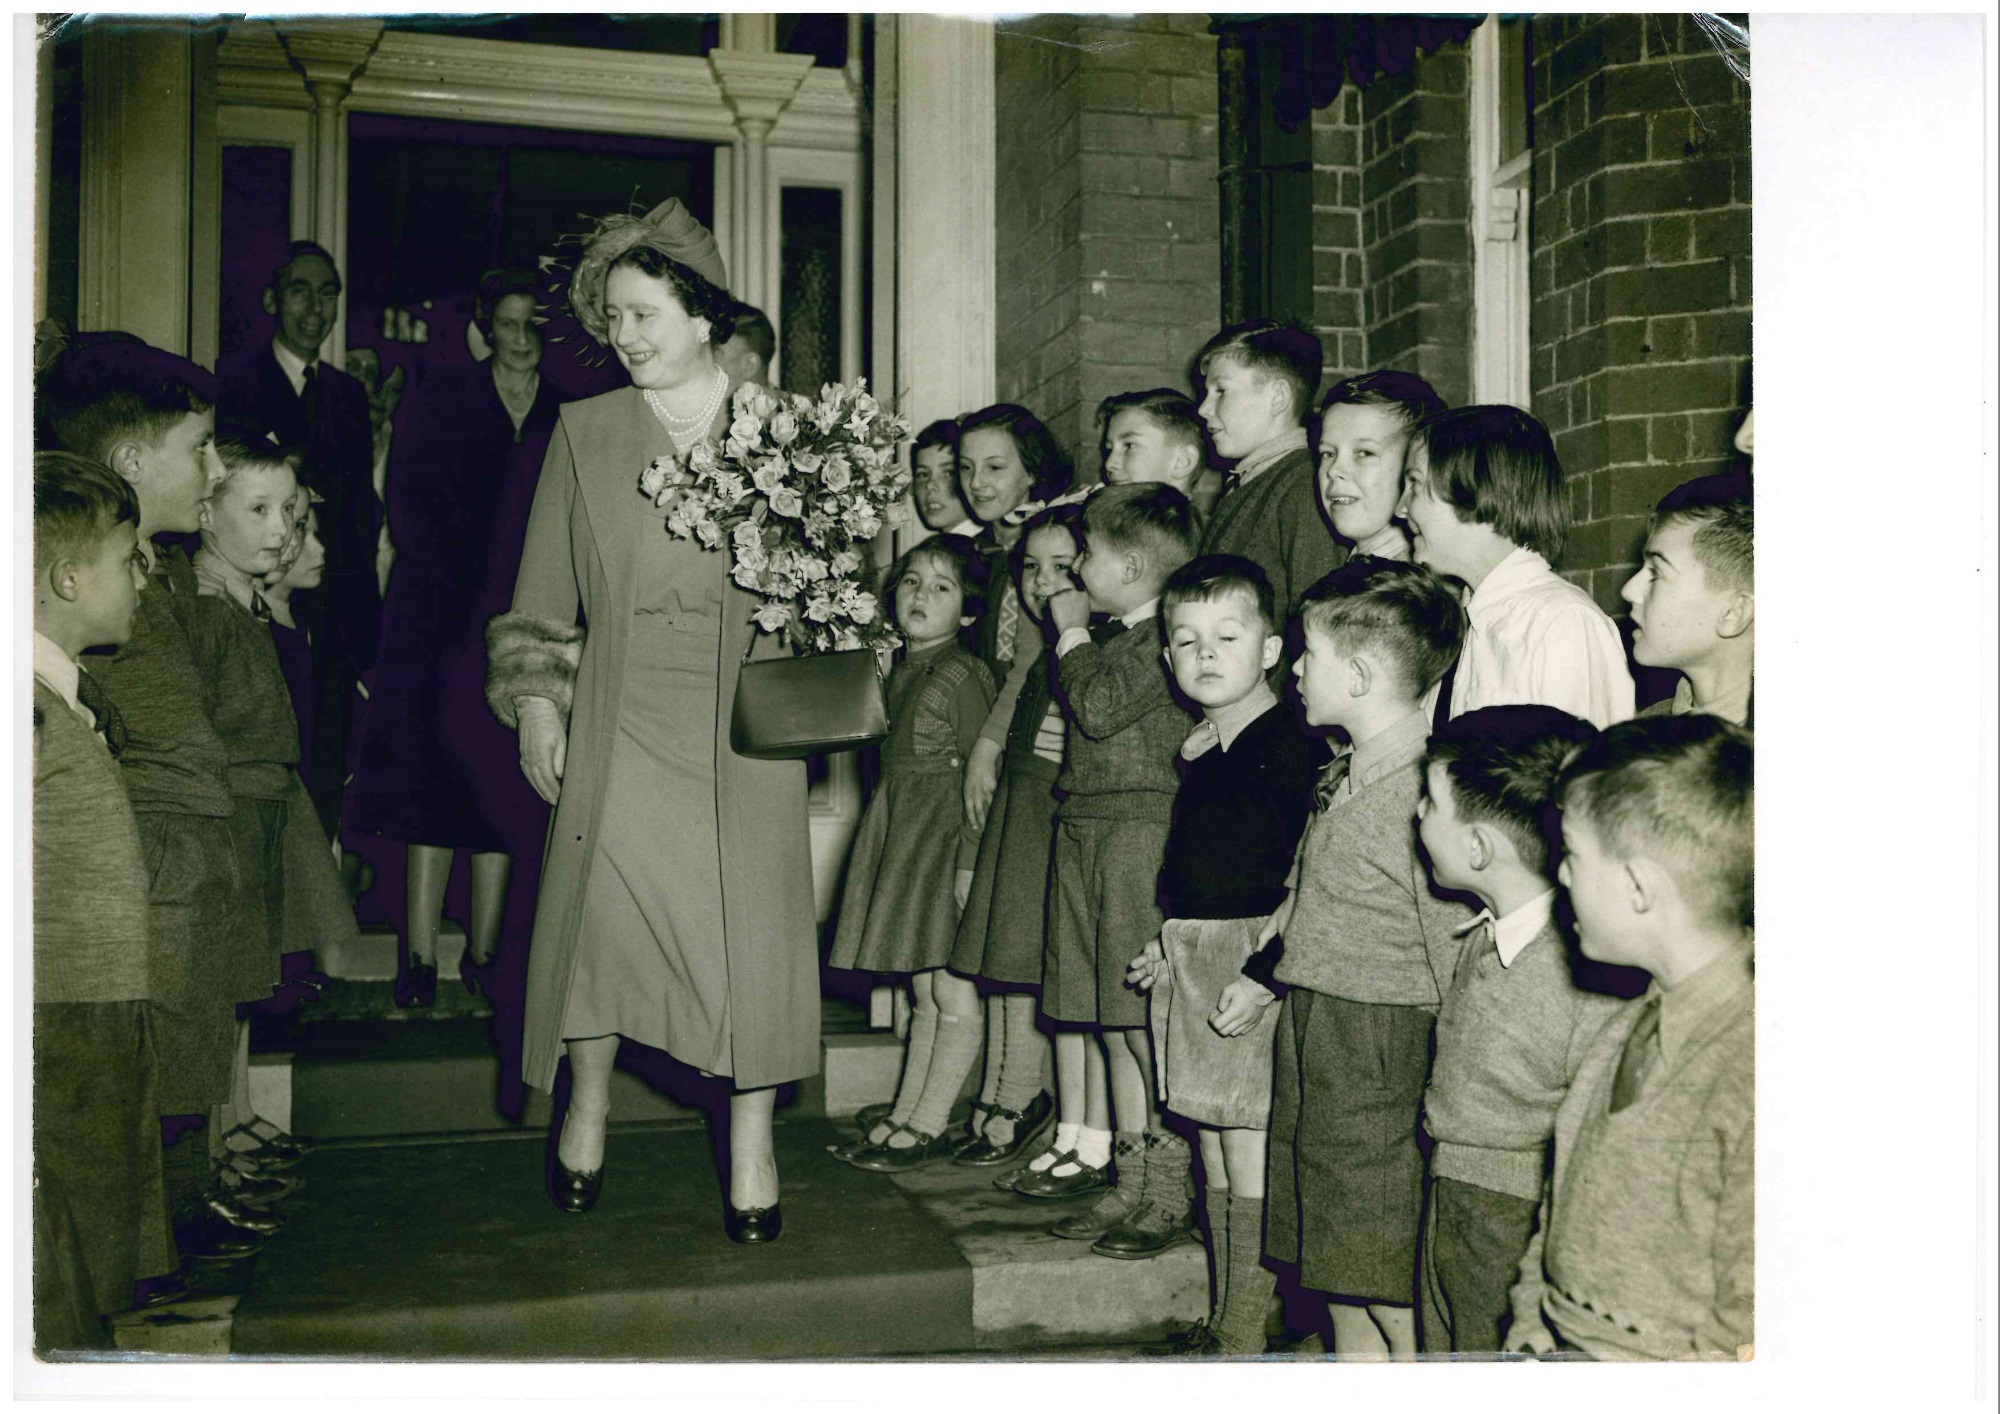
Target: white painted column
[[136, 175], [757, 86], [330, 54], [944, 215]]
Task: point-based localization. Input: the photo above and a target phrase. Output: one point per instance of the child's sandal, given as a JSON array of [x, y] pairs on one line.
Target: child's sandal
[[974, 1133], [846, 1150]]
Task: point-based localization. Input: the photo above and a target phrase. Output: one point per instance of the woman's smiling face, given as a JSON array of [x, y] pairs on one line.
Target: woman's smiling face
[[646, 325]]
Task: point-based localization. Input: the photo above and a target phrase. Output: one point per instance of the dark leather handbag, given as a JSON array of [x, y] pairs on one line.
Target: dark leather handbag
[[789, 708]]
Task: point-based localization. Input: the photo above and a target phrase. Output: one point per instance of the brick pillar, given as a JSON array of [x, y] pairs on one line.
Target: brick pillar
[[1415, 206], [1107, 213], [1339, 281], [1640, 270]]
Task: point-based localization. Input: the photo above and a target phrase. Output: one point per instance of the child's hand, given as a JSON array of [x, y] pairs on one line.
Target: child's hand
[[982, 778], [1236, 1010], [1148, 968], [208, 581], [1068, 609], [961, 887]]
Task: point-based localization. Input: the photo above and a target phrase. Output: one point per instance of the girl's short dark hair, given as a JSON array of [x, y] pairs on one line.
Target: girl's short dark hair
[[701, 299], [942, 433], [960, 553], [1405, 394], [496, 285], [1497, 466], [1041, 456]]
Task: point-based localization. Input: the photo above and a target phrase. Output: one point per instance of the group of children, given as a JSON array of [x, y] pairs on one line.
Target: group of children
[[1271, 819], [176, 854]]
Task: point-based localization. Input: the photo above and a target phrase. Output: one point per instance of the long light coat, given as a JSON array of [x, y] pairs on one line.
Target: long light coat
[[588, 527]]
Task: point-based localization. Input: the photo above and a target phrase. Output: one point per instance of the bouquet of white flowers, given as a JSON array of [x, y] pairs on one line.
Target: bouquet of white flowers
[[797, 489]]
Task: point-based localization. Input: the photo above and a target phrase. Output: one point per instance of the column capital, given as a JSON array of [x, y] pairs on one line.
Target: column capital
[[757, 87], [329, 52]]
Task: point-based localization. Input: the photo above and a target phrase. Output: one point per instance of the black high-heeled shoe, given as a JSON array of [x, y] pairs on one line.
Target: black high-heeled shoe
[[472, 974], [752, 1225], [417, 986], [571, 1190]]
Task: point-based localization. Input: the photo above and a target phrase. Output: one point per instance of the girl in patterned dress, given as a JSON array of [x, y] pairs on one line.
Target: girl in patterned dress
[[912, 862]]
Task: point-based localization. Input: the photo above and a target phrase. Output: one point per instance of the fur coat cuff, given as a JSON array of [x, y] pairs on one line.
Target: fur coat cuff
[[530, 656]]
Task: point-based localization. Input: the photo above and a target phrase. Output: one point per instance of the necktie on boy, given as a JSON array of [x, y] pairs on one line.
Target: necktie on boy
[[1104, 630], [90, 692], [1327, 788], [260, 608], [1642, 1049]]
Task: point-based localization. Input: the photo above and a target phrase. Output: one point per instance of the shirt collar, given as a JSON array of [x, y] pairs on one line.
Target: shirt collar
[[1521, 569], [968, 527], [1229, 722], [58, 671], [238, 583], [294, 366], [1389, 748], [1514, 931], [1260, 458], [1132, 618], [1689, 1010], [1388, 543]]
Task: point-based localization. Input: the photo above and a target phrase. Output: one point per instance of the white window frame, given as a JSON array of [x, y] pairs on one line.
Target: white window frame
[[1500, 203]]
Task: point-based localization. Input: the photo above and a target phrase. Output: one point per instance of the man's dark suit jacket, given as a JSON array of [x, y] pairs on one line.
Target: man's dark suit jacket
[[339, 455]]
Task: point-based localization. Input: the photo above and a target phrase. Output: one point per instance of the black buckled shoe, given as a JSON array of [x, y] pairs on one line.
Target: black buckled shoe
[[1116, 1205], [888, 1158], [1048, 1184], [868, 1116], [753, 1225], [570, 1190], [1148, 1232], [1029, 1125]]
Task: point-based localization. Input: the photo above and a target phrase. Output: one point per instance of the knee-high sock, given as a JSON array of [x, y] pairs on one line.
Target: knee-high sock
[[1169, 1162], [1218, 1200], [1024, 1058], [996, 1048], [1240, 1327], [957, 1046], [916, 1063]]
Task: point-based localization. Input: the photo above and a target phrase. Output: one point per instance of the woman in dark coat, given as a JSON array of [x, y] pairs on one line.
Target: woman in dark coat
[[437, 771]]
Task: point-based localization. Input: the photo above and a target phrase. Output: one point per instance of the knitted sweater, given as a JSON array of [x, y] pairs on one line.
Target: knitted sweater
[[1274, 520], [1364, 924], [1237, 822], [248, 699], [1509, 1041], [1126, 729], [173, 760], [1645, 1248], [90, 878]]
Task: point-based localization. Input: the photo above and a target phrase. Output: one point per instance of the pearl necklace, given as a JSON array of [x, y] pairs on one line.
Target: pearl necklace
[[681, 429]]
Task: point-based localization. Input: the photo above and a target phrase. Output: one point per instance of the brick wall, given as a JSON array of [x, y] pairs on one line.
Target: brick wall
[[1640, 270], [1339, 267], [1108, 217], [1414, 221]]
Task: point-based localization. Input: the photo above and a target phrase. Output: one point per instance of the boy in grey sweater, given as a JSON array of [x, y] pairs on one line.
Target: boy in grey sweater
[[1645, 1247], [1514, 1025]]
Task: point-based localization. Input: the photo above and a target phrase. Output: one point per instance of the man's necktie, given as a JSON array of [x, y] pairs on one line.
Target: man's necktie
[[1642, 1048], [90, 692], [309, 400], [1329, 780]]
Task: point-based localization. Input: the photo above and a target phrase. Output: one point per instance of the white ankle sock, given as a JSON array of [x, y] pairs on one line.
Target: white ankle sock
[[1064, 1141], [1093, 1150]]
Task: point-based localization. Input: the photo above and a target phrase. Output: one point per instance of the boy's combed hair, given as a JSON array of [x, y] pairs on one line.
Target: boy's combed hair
[[1679, 790], [1168, 409], [94, 397], [1272, 350], [1719, 508], [1503, 764], [1151, 517], [1497, 466], [754, 327], [1405, 394], [1041, 455], [253, 456], [77, 503], [942, 433], [1404, 612], [1207, 578], [1069, 516], [960, 552]]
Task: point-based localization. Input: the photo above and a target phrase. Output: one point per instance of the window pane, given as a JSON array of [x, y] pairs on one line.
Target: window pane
[[809, 289], [1516, 106]]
